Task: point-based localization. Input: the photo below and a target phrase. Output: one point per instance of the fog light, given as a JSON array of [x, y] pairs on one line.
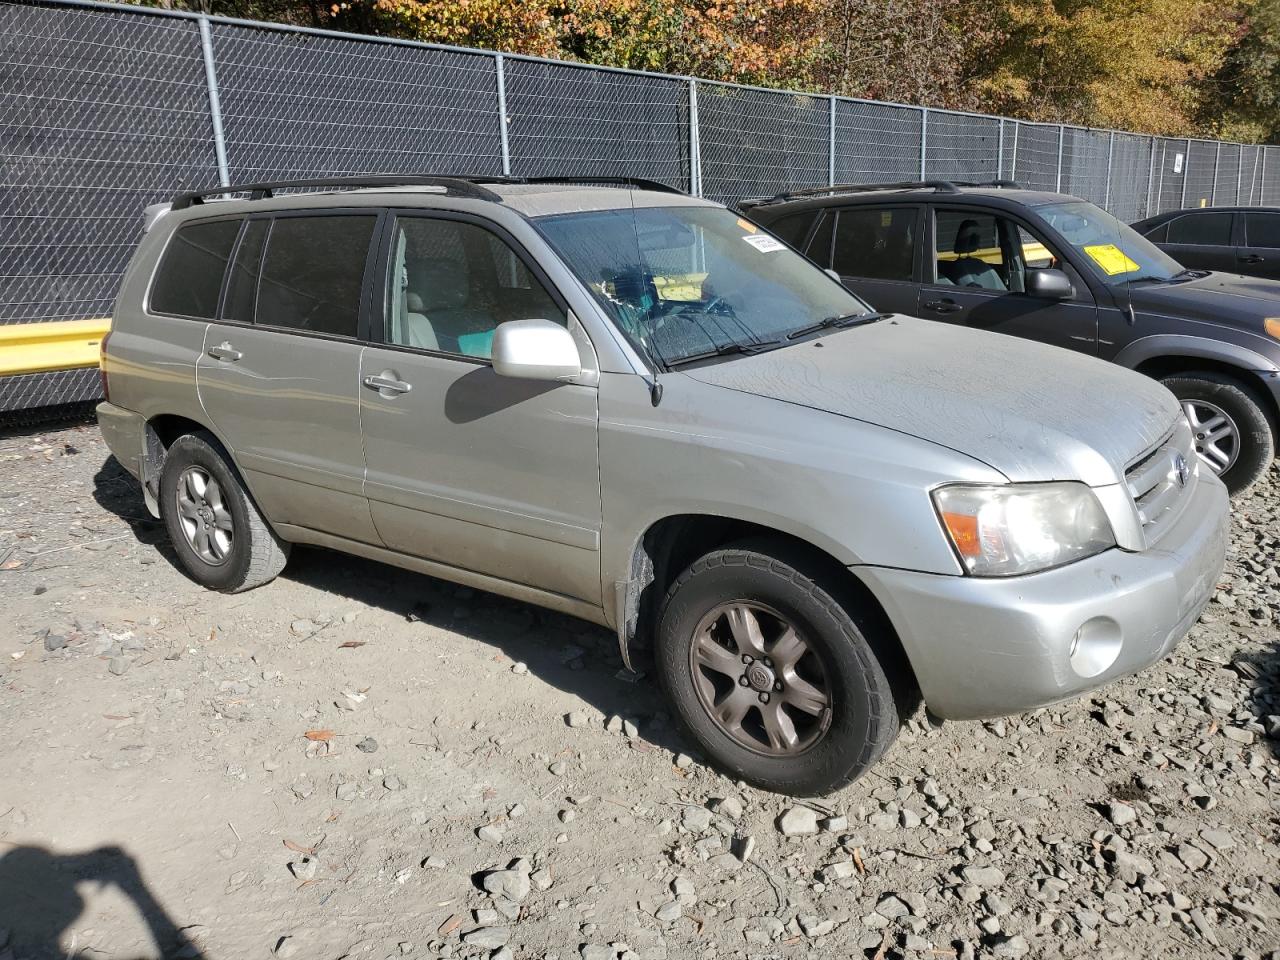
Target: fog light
[[1095, 646]]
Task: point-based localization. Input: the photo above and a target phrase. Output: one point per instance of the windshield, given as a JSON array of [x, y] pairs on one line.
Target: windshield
[[689, 282], [1117, 252]]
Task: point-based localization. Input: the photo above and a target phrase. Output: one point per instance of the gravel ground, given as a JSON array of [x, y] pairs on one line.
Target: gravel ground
[[356, 761]]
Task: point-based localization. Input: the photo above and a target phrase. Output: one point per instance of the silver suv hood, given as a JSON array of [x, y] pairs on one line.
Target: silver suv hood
[[1031, 411]]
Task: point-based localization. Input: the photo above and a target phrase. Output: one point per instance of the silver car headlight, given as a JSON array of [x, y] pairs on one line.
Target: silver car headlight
[[1010, 529]]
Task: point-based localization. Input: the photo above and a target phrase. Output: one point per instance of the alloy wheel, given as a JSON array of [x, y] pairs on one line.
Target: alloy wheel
[[759, 680], [1216, 435], [203, 514]]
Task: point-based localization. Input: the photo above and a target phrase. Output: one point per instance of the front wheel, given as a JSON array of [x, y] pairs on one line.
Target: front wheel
[[1229, 423], [770, 675]]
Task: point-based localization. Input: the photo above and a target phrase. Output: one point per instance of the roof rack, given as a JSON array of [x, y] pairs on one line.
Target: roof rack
[[941, 186], [463, 186]]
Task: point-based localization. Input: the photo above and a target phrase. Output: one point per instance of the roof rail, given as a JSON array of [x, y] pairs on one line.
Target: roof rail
[[639, 183], [998, 184], [462, 186], [942, 186]]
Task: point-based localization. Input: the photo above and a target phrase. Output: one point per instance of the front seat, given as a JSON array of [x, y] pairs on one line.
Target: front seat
[[438, 300], [967, 270]]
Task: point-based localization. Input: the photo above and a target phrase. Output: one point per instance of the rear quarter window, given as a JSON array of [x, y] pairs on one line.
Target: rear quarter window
[[792, 229], [189, 278]]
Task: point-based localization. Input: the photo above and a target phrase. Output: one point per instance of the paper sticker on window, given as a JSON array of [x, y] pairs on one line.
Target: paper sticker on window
[[1111, 259], [886, 218], [764, 243], [747, 225]]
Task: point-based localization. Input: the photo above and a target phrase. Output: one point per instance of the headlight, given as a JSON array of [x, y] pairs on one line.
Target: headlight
[[1002, 531]]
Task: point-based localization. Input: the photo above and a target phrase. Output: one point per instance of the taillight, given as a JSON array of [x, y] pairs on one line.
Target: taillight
[[102, 365]]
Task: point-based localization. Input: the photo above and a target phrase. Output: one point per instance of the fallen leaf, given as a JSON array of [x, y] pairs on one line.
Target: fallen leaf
[[13, 564], [857, 861], [450, 925], [322, 735], [488, 793], [351, 644], [299, 848]]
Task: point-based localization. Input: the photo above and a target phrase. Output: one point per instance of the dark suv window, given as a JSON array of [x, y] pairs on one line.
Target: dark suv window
[[1262, 229], [312, 273], [1205, 229], [792, 229], [875, 243], [189, 278]]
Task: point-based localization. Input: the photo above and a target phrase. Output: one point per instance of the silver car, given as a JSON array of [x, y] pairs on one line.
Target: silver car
[[632, 406]]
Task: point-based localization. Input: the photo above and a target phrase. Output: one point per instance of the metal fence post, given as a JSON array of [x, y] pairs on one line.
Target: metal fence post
[[924, 138], [1186, 172], [695, 142], [1013, 162], [1062, 135], [1151, 179], [215, 106], [1262, 176], [1111, 149], [1217, 159], [500, 62], [1000, 152], [1239, 170], [831, 156]]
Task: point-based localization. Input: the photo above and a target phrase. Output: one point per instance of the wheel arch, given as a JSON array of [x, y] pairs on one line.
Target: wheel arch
[[159, 434], [1171, 365], [670, 544]]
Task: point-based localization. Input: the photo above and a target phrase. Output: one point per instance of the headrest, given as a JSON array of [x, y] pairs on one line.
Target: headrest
[[968, 237], [438, 285]]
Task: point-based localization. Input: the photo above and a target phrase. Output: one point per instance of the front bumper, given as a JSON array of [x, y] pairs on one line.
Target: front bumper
[[988, 647]]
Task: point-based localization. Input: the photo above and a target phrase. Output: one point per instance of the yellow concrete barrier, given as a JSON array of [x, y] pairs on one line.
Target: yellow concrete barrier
[[45, 347]]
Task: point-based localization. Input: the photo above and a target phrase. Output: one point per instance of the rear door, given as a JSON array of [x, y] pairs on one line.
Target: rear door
[[1202, 240], [492, 474], [1259, 254], [976, 276], [280, 372], [875, 250]]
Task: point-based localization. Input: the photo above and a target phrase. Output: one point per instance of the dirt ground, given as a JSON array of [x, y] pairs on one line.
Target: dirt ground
[[356, 761]]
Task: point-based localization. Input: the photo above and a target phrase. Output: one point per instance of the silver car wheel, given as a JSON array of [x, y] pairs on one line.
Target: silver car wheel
[[1216, 435], [204, 516], [759, 679]]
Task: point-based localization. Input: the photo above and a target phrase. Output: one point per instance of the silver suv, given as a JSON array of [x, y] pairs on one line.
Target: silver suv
[[632, 406]]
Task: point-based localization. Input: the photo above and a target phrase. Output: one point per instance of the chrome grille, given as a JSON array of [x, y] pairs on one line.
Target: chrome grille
[[1160, 482]]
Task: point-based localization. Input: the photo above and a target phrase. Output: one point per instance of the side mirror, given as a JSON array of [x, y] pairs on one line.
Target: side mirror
[[833, 275], [535, 350], [1049, 283]]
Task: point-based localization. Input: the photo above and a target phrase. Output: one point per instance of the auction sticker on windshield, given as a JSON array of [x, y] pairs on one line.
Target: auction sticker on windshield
[[764, 243], [1111, 259]]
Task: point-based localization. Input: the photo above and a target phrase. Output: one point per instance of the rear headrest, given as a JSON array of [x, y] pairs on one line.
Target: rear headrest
[[968, 237], [437, 284]]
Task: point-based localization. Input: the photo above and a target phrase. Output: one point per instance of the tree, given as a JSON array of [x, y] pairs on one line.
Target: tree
[[1242, 101]]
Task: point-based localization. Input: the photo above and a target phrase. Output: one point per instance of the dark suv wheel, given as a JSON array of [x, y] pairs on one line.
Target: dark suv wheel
[[220, 537], [773, 678], [1230, 425]]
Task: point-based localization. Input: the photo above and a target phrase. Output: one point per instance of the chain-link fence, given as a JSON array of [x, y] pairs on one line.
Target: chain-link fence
[[105, 109]]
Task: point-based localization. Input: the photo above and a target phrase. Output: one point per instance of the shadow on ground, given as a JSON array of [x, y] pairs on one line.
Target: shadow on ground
[[578, 657], [41, 898]]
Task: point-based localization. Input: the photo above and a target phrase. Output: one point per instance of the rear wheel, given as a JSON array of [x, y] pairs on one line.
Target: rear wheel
[[773, 678], [1232, 431], [220, 537]]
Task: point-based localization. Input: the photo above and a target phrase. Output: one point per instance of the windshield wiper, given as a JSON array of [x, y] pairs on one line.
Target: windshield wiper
[[832, 323], [728, 349]]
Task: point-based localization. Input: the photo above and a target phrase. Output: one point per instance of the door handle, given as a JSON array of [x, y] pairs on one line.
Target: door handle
[[943, 306], [386, 384], [1251, 258], [224, 351]]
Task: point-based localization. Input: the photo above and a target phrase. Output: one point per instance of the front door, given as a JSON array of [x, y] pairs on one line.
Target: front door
[[492, 474], [976, 276], [1260, 254], [279, 376]]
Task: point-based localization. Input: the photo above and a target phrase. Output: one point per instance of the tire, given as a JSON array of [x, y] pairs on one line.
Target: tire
[[860, 719], [249, 553], [1205, 395]]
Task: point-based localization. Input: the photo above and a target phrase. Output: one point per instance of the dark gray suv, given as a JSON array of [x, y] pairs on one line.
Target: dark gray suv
[[1055, 268]]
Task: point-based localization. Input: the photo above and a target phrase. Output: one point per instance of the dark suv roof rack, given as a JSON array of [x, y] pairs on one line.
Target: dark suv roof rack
[[462, 186], [941, 186]]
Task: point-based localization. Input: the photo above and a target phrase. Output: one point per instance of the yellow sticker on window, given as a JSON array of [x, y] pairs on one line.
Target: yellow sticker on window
[[747, 225], [1111, 259], [886, 218]]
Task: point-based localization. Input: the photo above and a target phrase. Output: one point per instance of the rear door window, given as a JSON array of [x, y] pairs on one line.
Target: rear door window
[[313, 272], [189, 279], [1262, 229], [1202, 229], [876, 243]]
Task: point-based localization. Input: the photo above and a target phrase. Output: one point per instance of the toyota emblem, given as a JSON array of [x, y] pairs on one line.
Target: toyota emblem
[[1181, 469]]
